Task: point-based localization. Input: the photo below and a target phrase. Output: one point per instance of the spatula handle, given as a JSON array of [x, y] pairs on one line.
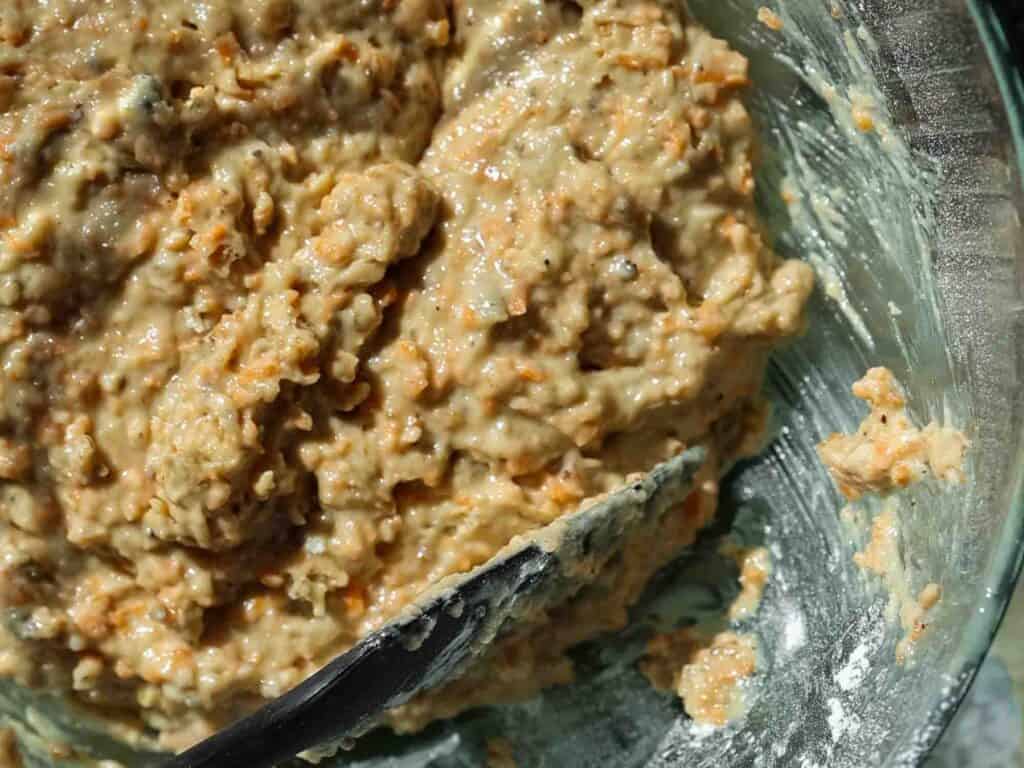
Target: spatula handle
[[351, 691]]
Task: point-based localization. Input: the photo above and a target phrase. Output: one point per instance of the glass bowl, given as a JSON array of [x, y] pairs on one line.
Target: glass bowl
[[914, 228]]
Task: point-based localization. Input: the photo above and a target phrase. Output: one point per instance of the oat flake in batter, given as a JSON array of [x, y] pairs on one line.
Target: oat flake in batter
[[305, 306]]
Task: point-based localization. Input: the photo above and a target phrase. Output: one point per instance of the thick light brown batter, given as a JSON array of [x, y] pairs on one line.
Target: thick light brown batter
[[304, 307]]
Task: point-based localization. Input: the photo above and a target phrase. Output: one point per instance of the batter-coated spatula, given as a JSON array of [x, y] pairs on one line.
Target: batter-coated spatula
[[440, 635]]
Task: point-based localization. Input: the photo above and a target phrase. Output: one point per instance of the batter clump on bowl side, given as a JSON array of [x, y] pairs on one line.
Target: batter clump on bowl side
[[886, 454], [306, 306]]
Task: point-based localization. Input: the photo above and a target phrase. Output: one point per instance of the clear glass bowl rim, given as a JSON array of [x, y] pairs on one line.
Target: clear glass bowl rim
[[1006, 566]]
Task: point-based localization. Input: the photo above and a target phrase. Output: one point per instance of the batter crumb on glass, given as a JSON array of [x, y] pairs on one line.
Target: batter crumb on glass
[[500, 753], [769, 18], [881, 556], [888, 451], [755, 568], [706, 673], [10, 756]]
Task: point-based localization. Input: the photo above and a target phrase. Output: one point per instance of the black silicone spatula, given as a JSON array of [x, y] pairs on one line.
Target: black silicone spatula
[[443, 633]]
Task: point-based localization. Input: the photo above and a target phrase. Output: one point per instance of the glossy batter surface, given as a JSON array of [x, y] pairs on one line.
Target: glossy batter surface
[[305, 306]]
